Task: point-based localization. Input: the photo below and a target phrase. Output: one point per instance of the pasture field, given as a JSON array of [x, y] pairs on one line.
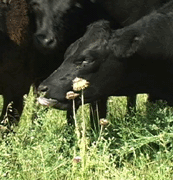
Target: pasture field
[[44, 147]]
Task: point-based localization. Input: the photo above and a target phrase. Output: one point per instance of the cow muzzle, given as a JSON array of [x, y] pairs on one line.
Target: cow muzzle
[[45, 42]]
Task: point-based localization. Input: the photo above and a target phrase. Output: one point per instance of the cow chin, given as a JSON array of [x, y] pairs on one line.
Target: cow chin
[[54, 103], [46, 50]]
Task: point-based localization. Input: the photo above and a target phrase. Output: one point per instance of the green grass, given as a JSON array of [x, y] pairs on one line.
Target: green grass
[[129, 148]]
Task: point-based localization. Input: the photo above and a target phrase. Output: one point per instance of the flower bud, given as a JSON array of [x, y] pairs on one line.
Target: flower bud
[[71, 95], [103, 122], [77, 159]]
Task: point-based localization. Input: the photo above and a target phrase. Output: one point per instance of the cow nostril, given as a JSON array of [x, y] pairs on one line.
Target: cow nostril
[[50, 41], [45, 41], [42, 88]]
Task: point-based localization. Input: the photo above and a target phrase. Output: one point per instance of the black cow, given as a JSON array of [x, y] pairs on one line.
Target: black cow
[[15, 78], [135, 59], [59, 23]]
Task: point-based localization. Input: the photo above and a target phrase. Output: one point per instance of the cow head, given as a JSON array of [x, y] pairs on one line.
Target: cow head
[[58, 23], [89, 58]]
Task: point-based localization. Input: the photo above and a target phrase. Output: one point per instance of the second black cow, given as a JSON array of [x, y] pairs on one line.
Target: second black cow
[[135, 59]]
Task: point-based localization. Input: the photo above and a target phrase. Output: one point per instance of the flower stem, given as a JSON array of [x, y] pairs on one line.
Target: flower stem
[[83, 132], [75, 121]]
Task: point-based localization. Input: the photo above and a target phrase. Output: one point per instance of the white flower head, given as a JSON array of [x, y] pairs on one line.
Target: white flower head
[[103, 122], [80, 84], [71, 95]]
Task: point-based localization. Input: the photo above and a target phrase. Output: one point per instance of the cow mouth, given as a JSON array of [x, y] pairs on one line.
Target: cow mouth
[[54, 103], [63, 105]]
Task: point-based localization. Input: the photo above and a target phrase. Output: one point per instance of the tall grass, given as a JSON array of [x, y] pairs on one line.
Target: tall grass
[[135, 147]]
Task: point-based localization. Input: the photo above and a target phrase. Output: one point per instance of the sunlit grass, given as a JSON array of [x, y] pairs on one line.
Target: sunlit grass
[[129, 148]]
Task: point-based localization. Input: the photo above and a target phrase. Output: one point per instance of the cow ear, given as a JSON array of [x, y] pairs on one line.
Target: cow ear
[[124, 47]]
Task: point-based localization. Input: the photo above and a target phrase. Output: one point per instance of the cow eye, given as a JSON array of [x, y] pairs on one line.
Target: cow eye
[[84, 62], [87, 61]]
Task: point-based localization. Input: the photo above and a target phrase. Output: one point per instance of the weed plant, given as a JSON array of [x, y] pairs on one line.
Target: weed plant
[[44, 147]]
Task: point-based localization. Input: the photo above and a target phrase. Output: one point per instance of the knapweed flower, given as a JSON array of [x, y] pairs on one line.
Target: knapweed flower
[[77, 159], [80, 84], [103, 122], [71, 95]]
